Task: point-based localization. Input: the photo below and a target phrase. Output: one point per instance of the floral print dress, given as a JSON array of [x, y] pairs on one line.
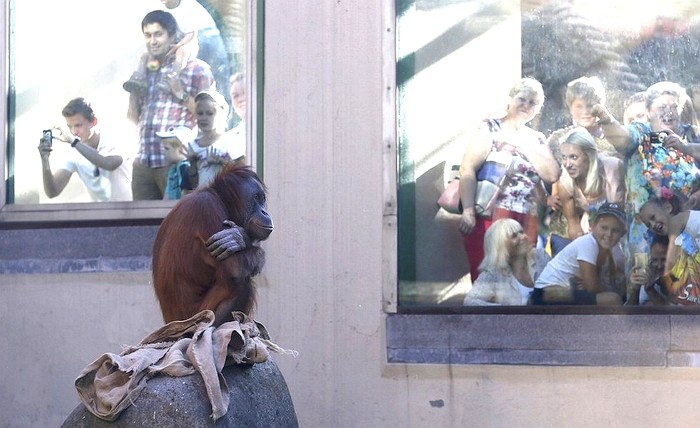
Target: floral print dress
[[516, 198], [517, 194]]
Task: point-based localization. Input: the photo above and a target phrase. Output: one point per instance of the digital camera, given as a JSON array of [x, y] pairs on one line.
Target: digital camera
[[658, 138], [47, 137]]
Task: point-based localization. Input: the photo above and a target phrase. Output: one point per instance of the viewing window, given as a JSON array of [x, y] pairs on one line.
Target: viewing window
[[73, 49], [456, 62]]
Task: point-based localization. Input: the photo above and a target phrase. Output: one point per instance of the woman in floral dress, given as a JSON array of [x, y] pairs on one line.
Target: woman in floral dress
[[523, 161]]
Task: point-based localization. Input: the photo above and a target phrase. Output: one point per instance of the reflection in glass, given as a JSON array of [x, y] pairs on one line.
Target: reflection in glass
[[73, 49], [455, 61]]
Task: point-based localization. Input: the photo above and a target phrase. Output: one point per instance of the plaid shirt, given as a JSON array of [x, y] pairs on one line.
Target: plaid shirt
[[160, 111]]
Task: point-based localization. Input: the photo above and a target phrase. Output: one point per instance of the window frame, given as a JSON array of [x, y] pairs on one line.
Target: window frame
[[17, 215], [548, 336]]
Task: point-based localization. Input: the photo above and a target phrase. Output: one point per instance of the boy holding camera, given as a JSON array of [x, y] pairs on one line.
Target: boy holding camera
[[103, 168]]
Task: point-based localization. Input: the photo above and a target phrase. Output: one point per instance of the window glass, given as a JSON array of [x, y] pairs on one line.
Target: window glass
[[73, 49], [458, 60]]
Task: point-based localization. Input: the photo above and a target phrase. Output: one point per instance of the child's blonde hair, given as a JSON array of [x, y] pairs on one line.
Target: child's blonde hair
[[176, 144]]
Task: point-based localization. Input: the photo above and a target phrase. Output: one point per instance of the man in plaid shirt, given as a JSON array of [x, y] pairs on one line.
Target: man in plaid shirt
[[162, 100]]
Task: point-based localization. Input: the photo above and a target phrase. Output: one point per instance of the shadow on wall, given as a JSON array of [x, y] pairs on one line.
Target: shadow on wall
[[440, 255]]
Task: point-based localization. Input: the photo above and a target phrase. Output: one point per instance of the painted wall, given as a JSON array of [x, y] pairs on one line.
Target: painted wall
[[54, 326], [321, 292]]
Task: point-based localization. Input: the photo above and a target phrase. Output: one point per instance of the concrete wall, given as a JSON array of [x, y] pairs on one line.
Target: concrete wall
[[321, 291], [56, 324]]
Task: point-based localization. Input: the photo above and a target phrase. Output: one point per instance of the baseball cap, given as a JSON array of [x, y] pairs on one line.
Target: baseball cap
[[613, 209], [214, 96], [182, 133]]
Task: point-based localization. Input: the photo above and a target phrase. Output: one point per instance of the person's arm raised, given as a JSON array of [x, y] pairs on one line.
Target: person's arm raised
[[616, 133], [53, 183], [110, 163]]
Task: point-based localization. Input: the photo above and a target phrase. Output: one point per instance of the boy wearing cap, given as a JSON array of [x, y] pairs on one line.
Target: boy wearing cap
[[175, 152], [574, 275]]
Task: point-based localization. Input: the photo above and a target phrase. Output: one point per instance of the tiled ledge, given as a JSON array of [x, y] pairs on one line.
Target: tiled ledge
[[76, 249], [101, 264], [660, 339]]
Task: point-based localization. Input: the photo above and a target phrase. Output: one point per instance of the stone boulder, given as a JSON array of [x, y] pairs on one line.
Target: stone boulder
[[259, 398]]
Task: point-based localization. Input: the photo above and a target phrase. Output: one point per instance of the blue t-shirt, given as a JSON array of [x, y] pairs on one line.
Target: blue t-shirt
[[178, 180]]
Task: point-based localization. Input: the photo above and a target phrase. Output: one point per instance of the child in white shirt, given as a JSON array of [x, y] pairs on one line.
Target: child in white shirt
[[573, 276]]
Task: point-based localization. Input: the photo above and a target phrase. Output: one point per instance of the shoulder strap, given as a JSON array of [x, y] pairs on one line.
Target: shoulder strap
[[493, 124]]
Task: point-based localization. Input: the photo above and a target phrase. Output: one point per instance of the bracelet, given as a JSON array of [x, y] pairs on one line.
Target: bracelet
[[76, 141]]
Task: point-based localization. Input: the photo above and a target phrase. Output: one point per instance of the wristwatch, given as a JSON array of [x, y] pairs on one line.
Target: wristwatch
[[184, 97]]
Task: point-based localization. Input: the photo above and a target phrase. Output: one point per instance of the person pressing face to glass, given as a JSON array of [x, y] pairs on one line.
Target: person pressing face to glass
[[513, 158], [588, 180], [579, 274], [101, 163], [213, 147], [509, 268]]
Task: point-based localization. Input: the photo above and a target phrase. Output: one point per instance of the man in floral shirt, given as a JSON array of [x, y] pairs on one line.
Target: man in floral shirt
[[661, 154]]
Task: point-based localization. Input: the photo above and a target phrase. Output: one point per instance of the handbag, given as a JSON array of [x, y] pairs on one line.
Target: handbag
[[485, 200], [449, 200], [489, 182], [486, 196], [490, 178], [489, 185]]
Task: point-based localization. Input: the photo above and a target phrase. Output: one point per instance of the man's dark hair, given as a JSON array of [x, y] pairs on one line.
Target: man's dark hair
[[165, 19], [659, 240], [78, 106]]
